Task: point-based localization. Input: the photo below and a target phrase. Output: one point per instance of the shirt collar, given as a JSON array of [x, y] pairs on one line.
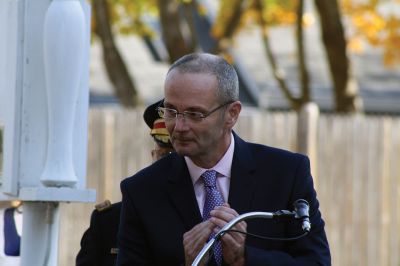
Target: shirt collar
[[223, 166]]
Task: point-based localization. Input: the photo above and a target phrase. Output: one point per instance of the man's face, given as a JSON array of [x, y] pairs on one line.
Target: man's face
[[196, 92]]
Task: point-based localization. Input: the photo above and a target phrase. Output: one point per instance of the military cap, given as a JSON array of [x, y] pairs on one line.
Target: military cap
[[157, 126]]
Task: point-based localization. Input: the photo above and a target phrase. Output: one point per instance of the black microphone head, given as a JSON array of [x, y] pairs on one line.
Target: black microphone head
[[301, 208]]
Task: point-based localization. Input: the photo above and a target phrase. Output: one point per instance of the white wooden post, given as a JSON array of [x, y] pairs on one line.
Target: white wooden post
[[307, 130], [64, 34], [44, 72]]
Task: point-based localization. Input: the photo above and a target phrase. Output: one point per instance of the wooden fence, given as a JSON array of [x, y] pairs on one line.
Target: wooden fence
[[356, 173]]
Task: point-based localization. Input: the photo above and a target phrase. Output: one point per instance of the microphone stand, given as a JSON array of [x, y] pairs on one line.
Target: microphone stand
[[228, 226], [301, 212]]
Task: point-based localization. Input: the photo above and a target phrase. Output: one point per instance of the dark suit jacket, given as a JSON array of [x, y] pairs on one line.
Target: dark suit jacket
[[159, 206], [99, 242]]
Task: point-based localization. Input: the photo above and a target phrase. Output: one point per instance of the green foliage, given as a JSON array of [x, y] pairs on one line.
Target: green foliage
[[280, 12], [368, 23], [127, 16], [372, 25]]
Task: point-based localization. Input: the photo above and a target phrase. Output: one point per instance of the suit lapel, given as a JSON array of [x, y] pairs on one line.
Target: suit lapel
[[242, 177], [181, 192]]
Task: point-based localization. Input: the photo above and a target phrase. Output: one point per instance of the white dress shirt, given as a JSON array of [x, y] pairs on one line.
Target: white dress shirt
[[223, 168]]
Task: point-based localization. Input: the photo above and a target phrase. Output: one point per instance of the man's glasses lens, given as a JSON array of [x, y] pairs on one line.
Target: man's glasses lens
[[170, 114]]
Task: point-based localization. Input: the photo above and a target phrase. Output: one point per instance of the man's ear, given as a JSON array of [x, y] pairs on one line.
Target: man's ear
[[233, 113]]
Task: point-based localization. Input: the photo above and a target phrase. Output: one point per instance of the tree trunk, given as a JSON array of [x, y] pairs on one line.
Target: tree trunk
[[346, 90], [189, 8], [117, 71], [170, 21], [276, 70], [228, 24], [304, 77]]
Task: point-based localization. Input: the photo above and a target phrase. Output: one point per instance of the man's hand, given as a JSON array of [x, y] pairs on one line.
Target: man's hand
[[233, 244], [195, 239]]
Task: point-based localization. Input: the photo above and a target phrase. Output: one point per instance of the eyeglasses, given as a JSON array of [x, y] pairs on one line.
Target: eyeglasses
[[171, 114]]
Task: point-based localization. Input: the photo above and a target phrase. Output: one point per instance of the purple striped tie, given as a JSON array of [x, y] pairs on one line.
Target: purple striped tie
[[213, 198]]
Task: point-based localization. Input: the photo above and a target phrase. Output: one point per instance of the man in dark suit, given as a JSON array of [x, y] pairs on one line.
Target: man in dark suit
[[99, 242], [172, 208]]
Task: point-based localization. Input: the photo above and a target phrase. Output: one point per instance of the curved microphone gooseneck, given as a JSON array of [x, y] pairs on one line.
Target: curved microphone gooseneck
[[301, 212]]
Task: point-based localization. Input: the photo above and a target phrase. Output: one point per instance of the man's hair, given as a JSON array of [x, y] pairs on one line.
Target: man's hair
[[227, 79]]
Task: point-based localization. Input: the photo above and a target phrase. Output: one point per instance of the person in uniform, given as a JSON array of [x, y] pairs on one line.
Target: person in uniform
[[99, 242]]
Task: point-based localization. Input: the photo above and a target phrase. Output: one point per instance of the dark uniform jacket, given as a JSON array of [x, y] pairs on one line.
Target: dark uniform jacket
[[99, 242]]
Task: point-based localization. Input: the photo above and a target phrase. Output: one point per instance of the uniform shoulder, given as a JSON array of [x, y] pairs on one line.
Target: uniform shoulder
[[102, 206], [106, 205]]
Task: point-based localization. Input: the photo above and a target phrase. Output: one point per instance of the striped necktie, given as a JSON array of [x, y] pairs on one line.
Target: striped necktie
[[213, 198]]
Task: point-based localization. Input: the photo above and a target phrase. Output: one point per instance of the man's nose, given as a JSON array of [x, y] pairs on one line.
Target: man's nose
[[180, 122]]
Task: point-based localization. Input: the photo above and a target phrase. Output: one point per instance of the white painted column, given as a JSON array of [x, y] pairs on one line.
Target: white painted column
[[40, 239], [64, 34], [45, 49], [64, 41]]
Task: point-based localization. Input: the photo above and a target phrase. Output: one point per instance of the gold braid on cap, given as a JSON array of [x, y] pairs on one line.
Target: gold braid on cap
[[159, 131]]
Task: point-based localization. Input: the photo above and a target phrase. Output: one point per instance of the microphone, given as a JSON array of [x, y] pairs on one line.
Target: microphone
[[301, 209]]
